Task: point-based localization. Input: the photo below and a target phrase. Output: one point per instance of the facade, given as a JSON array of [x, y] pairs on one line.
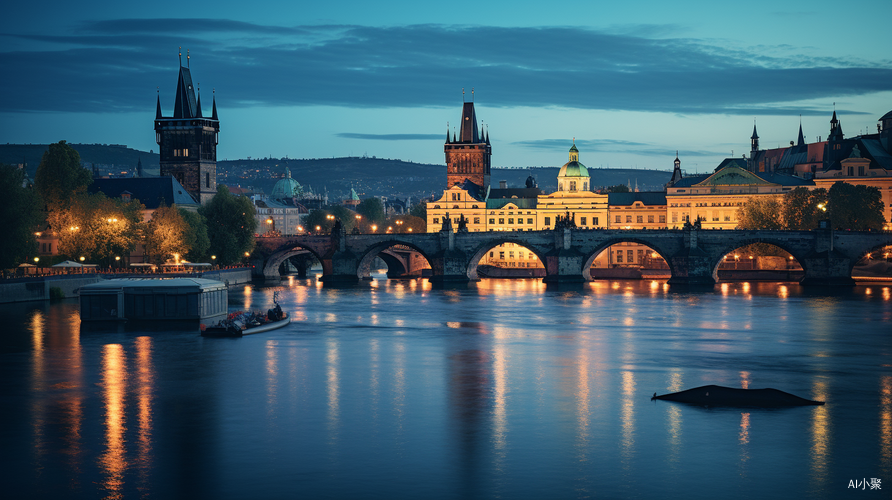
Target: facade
[[187, 140], [281, 213], [573, 197], [633, 211], [714, 198]]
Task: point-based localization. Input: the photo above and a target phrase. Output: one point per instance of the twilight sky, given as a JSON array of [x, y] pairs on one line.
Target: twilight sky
[[632, 81]]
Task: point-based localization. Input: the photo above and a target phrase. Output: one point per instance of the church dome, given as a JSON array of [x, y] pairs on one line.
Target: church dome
[[286, 188], [573, 168]]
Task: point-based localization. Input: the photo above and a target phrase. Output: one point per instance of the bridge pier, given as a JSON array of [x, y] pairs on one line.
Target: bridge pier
[[449, 265], [692, 266], [827, 269], [564, 264]]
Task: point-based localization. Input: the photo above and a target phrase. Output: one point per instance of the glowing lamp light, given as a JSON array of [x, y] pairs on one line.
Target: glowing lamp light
[[117, 257], [213, 257], [247, 254], [36, 259], [318, 228], [83, 258]]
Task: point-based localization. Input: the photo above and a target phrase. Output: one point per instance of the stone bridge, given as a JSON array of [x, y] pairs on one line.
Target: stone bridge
[[693, 254]]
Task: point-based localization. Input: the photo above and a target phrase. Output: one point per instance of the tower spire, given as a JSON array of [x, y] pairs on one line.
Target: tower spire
[[801, 140], [754, 140], [158, 104], [198, 105], [214, 101]]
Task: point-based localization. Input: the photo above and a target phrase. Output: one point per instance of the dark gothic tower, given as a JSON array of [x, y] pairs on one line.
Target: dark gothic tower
[[468, 155], [885, 129], [188, 141], [834, 141], [754, 141]]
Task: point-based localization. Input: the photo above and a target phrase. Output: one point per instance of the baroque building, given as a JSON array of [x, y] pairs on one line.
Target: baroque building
[[187, 139]]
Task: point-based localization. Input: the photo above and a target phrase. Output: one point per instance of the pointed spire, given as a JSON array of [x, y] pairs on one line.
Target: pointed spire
[[198, 106], [754, 140], [214, 112], [801, 140], [447, 132], [468, 133], [755, 134], [158, 106]]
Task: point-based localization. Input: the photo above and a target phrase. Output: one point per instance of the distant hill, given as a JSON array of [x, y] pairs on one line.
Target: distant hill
[[107, 155], [369, 176]]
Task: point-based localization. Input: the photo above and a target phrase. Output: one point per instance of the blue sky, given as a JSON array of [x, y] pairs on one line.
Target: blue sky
[[632, 83]]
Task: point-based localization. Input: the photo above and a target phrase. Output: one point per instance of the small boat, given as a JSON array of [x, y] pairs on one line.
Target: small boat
[[715, 395], [239, 324]]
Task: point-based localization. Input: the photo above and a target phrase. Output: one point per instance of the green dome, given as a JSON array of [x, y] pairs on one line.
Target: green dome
[[286, 188], [573, 169]]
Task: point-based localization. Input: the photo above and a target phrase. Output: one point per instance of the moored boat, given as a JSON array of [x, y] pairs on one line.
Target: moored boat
[[239, 324]]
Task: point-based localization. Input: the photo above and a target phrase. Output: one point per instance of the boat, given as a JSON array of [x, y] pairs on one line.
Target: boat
[[715, 395], [240, 323]]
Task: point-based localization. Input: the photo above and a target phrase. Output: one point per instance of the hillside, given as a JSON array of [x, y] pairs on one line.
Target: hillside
[[368, 176]]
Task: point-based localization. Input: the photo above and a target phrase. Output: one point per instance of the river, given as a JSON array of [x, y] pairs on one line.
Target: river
[[502, 389]]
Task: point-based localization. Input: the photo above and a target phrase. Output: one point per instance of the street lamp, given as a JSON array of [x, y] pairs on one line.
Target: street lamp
[[214, 259], [374, 227], [36, 260], [399, 226], [83, 258]]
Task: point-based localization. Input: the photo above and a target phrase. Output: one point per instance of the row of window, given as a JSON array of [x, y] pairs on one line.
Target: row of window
[[639, 219]]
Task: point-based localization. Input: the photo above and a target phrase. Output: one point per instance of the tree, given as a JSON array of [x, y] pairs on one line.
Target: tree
[[318, 219], [19, 211], [196, 236], [345, 215], [165, 235], [619, 188], [96, 227], [371, 210], [855, 207], [60, 174], [800, 208], [761, 213], [419, 210], [230, 225]]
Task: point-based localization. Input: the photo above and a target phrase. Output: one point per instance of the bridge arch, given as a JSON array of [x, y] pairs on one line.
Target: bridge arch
[[653, 244], [271, 267], [396, 253], [478, 253], [731, 245]]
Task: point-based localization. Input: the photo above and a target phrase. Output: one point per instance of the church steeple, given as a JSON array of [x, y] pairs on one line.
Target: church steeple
[[754, 140], [676, 172], [214, 102], [198, 106], [468, 153], [801, 140], [158, 107]]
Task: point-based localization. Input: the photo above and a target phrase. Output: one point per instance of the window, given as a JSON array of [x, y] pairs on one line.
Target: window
[[619, 218], [619, 256], [628, 219], [511, 221], [674, 217], [650, 219], [547, 221], [861, 170], [582, 221], [727, 218], [851, 170], [663, 219], [436, 220], [501, 220], [476, 220], [454, 196], [501, 255], [640, 219], [631, 256], [572, 185], [530, 221], [595, 221], [207, 179], [640, 256]]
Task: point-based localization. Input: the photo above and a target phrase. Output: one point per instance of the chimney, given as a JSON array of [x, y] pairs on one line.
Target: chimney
[[503, 184]]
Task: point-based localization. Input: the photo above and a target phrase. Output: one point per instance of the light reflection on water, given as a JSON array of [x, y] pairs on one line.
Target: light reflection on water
[[504, 388]]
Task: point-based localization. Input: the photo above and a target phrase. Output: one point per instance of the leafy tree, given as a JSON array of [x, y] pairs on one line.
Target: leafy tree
[[855, 207], [419, 210], [619, 188], [230, 225], [318, 218], [372, 211], [800, 208], [416, 224], [760, 213], [97, 227], [165, 235], [346, 216], [60, 174], [19, 211], [196, 236]]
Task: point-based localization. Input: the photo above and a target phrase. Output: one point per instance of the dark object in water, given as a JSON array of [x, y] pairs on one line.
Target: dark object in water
[[716, 395]]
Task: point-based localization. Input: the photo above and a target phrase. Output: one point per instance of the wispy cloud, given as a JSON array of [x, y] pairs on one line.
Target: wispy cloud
[[391, 137], [612, 146], [115, 65]]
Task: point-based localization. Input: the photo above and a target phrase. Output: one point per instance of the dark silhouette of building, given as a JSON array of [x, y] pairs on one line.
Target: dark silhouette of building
[[468, 154], [188, 140]]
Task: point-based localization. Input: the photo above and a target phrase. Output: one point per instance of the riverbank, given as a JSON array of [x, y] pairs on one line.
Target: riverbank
[[27, 289]]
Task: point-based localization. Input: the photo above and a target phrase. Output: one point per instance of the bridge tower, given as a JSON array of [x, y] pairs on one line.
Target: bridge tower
[[188, 140], [468, 154]]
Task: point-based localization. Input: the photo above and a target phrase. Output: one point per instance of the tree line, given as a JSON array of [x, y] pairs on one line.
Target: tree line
[[844, 206], [101, 229]]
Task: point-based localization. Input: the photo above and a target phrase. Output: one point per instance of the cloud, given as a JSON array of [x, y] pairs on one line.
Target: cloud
[[612, 146], [116, 65], [391, 137]]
